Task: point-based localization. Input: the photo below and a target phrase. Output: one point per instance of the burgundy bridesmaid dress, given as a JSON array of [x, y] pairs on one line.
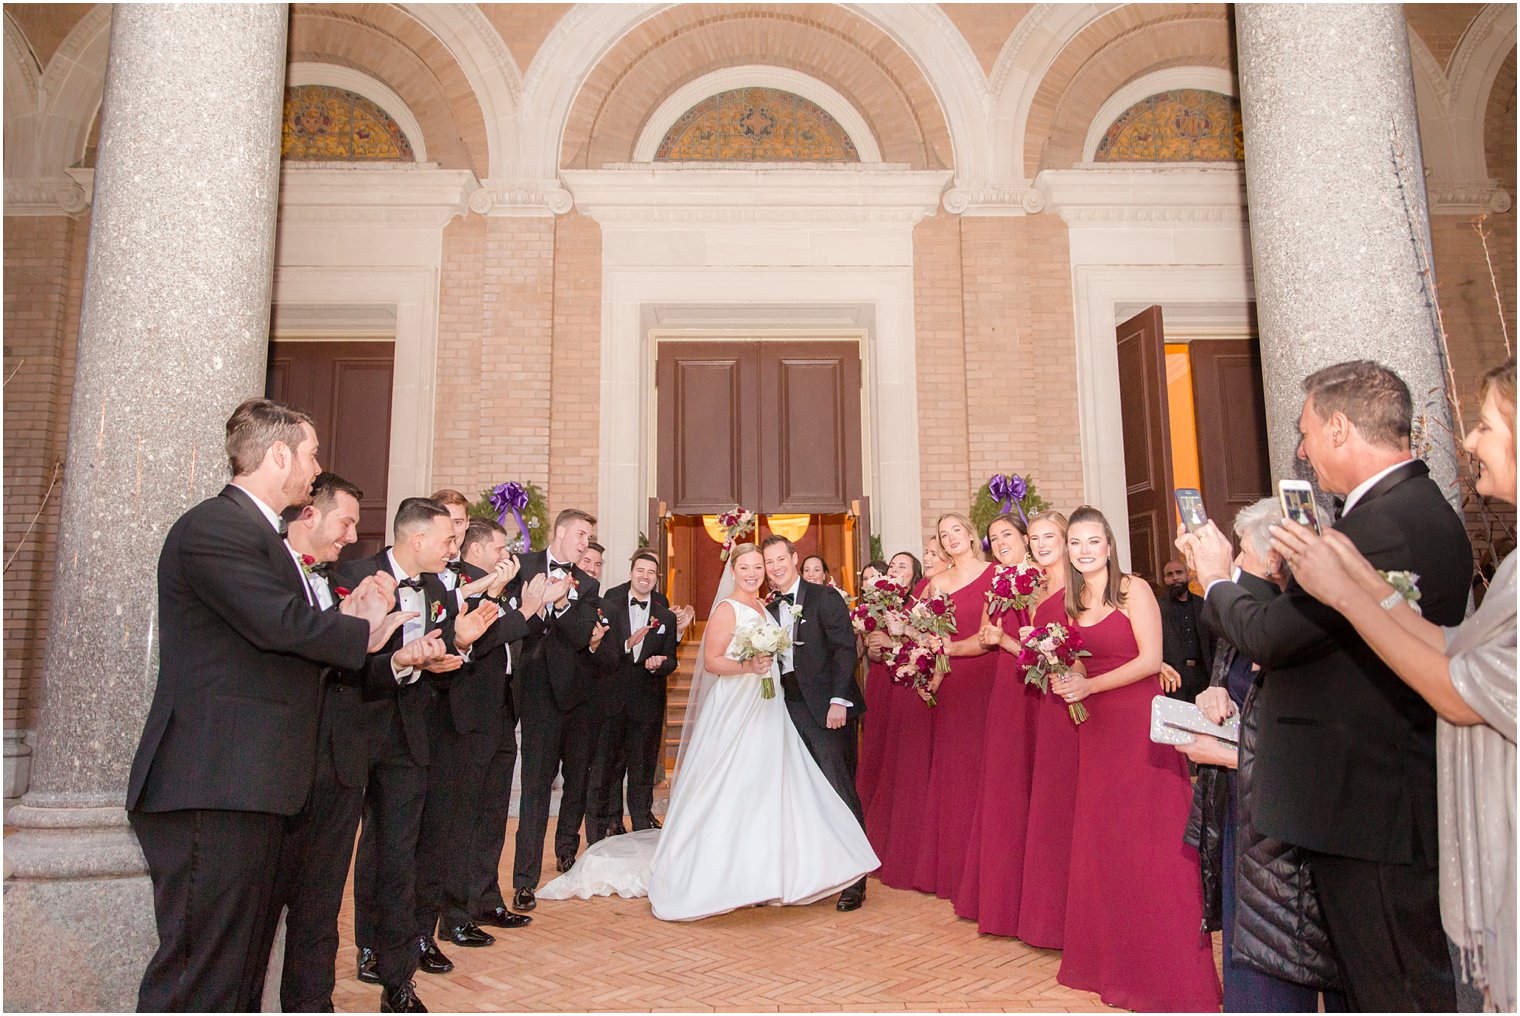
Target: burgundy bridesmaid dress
[[955, 771], [873, 728], [895, 818], [990, 888], [1052, 796], [1134, 907]]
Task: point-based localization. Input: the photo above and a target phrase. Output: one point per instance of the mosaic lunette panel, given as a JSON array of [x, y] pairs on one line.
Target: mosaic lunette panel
[[323, 123], [756, 125], [1183, 125]]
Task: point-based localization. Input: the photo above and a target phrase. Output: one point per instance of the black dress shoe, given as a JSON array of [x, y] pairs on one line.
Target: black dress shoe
[[369, 966], [852, 898], [564, 863], [523, 899], [433, 961], [470, 936], [654, 823], [501, 917], [403, 999], [616, 829]]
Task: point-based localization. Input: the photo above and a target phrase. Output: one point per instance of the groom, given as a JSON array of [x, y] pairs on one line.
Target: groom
[[818, 677]]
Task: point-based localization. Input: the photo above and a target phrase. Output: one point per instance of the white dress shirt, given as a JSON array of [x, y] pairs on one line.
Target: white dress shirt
[[549, 565], [637, 618], [787, 622], [269, 513], [1362, 488], [410, 600]]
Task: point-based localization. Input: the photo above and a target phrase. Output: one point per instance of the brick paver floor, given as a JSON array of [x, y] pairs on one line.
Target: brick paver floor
[[902, 951]]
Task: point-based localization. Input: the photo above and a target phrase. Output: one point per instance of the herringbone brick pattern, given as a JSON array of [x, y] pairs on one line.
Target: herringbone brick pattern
[[903, 951]]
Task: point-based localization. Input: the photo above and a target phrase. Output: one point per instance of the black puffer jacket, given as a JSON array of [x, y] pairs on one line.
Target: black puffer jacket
[[1211, 804]]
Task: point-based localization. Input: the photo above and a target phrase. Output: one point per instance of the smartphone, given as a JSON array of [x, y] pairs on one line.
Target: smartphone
[[1297, 498], [1190, 508]]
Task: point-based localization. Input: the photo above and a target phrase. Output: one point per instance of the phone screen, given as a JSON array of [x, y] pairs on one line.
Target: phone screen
[[1298, 505], [1190, 508]]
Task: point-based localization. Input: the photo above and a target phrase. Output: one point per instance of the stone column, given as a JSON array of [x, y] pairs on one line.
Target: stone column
[[173, 335], [1339, 226]]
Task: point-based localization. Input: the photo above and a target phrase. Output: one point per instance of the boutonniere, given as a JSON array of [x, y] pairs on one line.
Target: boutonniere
[[307, 563], [437, 614], [341, 592]]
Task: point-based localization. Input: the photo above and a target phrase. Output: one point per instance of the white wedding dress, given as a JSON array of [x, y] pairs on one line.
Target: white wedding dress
[[752, 820]]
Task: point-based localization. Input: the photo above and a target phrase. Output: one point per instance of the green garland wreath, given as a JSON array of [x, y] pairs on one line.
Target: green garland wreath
[[984, 509], [536, 515]]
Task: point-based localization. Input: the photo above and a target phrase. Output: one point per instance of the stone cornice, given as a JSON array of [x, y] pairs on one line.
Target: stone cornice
[[1090, 195], [760, 195], [378, 193], [994, 199], [54, 195], [1472, 197]]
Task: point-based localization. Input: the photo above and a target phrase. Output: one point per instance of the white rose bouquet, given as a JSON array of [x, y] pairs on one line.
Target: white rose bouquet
[[759, 638]]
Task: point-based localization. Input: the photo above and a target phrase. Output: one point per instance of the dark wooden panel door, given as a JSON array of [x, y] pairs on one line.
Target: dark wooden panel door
[[810, 426], [1233, 462], [708, 442], [346, 389], [1147, 442]]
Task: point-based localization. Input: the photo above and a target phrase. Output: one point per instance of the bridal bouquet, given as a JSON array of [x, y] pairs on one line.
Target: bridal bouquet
[[912, 663], [880, 599], [1051, 650], [935, 615], [1014, 588], [735, 523], [759, 638]]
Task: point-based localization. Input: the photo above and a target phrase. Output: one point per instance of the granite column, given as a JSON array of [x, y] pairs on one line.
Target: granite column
[[1340, 232], [173, 335]]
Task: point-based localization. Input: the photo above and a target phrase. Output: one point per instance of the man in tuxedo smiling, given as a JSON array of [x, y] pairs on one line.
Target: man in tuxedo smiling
[[1345, 760], [228, 750], [555, 697]]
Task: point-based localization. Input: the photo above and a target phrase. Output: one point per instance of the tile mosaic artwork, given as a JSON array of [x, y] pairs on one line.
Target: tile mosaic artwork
[[328, 124], [756, 125], [1184, 125]]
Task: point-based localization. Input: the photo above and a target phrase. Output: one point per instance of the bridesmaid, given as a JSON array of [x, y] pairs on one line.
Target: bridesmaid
[[1047, 843], [1135, 906], [989, 890], [961, 716], [878, 700], [933, 562], [895, 818]]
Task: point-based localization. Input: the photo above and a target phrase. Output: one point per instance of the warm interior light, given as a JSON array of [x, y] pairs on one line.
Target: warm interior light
[[710, 523], [790, 526]]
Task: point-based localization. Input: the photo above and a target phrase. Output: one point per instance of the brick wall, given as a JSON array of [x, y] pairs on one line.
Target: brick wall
[[575, 413], [43, 283], [943, 446]]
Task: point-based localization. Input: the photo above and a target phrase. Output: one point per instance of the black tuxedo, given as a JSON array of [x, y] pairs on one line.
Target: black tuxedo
[[1345, 754], [554, 700], [385, 866], [461, 749], [1179, 620], [229, 747], [634, 709], [823, 668]]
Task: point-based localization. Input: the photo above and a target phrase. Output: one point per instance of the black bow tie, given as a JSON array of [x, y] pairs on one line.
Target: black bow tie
[[457, 567], [321, 568], [784, 596], [559, 567], [641, 604], [412, 583]]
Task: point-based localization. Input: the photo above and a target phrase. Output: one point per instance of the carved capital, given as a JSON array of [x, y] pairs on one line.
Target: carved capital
[[1470, 197], [522, 198], [54, 195], [994, 199]]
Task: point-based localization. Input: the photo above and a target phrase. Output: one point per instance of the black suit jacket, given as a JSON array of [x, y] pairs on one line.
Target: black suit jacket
[[1345, 755], [551, 654], [633, 687], [480, 686], [824, 654], [233, 723], [410, 701], [344, 731]]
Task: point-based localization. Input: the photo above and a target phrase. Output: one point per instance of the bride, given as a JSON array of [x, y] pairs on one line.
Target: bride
[[752, 819]]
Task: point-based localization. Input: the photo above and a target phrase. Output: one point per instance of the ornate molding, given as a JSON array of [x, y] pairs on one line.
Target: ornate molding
[[521, 198], [1472, 197], [54, 195], [1014, 199], [1098, 195], [383, 194], [1493, 17]]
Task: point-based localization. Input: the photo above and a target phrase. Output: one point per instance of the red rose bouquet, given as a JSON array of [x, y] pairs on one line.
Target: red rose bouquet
[[935, 616], [912, 663], [1052, 650], [879, 599], [735, 522], [1014, 588]]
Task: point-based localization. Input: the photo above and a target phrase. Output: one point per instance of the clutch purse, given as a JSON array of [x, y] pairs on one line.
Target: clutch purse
[[1176, 722]]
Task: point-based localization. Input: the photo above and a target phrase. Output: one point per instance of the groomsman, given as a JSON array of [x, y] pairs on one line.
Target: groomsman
[[486, 549], [818, 677], [465, 731], [228, 749], [598, 661], [319, 839], [644, 633], [555, 697], [385, 923], [458, 507]]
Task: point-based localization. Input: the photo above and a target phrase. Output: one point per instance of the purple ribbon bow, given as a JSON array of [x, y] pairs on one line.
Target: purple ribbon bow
[[1008, 491], [512, 498]]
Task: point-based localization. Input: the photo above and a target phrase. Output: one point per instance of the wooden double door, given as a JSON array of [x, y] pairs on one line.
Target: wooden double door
[[1229, 413], [771, 425]]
